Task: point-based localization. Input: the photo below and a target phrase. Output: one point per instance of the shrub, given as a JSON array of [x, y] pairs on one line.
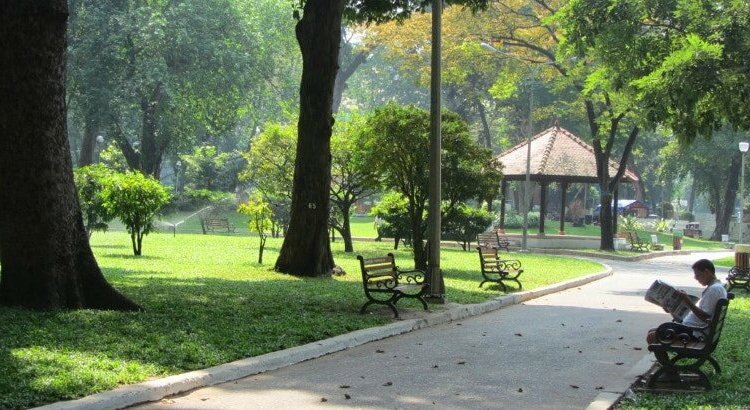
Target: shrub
[[465, 224], [514, 220], [629, 224], [135, 199], [391, 209], [687, 216], [90, 182]]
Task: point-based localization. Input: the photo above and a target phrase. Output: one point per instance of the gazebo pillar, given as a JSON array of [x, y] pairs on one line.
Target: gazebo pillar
[[542, 205], [563, 202], [503, 190]]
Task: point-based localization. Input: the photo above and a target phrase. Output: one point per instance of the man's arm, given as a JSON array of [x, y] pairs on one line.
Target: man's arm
[[700, 313]]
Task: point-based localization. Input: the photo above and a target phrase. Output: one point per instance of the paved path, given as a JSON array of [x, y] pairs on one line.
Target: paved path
[[559, 351]]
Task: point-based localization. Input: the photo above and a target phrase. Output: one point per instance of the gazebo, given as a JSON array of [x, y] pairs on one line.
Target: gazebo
[[557, 156]]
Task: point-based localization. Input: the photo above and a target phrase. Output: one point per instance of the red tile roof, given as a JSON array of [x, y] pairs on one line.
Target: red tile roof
[[556, 155]]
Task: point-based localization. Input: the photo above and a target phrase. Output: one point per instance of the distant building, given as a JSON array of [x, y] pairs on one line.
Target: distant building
[[626, 207]]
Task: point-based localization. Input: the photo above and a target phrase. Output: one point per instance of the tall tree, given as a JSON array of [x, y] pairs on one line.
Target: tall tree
[[717, 179], [396, 151], [45, 256], [155, 74], [306, 250], [532, 32]]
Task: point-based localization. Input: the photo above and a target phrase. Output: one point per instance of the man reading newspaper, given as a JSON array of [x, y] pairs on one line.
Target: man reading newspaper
[[705, 274]]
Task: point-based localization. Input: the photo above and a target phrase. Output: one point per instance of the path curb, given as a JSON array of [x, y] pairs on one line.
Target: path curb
[[157, 389]]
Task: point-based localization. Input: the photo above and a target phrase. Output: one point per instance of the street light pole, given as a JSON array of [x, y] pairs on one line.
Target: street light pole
[[744, 145], [527, 181]]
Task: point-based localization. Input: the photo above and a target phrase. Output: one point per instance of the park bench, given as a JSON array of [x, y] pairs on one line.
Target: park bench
[[738, 277], [492, 239], [498, 270], [679, 354], [213, 224], [636, 244], [386, 284]]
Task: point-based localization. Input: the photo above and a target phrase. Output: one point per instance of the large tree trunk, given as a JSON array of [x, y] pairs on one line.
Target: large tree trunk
[[88, 143], [44, 252], [725, 209], [306, 250]]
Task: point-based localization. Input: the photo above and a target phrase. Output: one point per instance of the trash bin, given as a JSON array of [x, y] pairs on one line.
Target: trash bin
[[742, 256], [677, 239]]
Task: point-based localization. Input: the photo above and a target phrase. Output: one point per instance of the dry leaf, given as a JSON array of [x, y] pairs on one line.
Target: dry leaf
[[344, 386], [323, 399], [518, 334], [637, 348], [388, 384], [620, 363], [520, 390], [574, 386], [346, 396], [618, 320], [380, 351], [599, 387], [461, 363]]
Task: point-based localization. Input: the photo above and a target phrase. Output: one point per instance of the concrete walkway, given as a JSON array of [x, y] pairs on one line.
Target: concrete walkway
[[573, 349]]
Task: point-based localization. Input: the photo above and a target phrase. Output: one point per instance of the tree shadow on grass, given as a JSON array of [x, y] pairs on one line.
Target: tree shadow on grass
[[187, 324]]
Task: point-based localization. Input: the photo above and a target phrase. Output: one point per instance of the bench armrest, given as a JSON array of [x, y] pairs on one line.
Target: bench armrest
[[415, 276], [509, 264], [671, 332]]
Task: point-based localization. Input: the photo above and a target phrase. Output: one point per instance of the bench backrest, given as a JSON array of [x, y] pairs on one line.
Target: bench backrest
[[717, 323], [487, 239], [378, 272], [488, 258]]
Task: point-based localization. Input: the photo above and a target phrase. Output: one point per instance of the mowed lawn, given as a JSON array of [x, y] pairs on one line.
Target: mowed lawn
[[207, 301]]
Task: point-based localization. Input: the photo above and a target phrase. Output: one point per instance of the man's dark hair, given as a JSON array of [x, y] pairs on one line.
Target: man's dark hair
[[704, 264]]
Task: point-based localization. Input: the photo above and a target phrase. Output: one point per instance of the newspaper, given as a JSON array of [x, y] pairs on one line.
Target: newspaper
[[666, 296]]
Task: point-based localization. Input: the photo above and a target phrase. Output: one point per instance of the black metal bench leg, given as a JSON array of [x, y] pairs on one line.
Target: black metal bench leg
[[502, 285], [715, 364], [363, 310], [483, 282], [520, 286]]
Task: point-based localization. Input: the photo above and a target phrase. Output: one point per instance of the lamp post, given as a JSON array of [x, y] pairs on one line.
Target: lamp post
[[744, 145]]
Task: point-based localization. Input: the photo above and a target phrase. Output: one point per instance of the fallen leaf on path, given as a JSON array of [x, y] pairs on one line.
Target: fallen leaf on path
[[574, 386], [323, 399], [380, 351], [620, 338], [580, 351], [461, 363], [388, 384], [637, 348], [618, 320], [435, 366], [619, 363], [344, 386], [599, 387], [520, 390], [518, 334], [346, 396]]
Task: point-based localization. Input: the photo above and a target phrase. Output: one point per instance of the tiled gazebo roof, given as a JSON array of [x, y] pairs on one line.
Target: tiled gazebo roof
[[556, 156]]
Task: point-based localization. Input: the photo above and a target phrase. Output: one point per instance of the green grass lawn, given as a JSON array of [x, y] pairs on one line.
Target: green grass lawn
[[208, 302], [731, 388]]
